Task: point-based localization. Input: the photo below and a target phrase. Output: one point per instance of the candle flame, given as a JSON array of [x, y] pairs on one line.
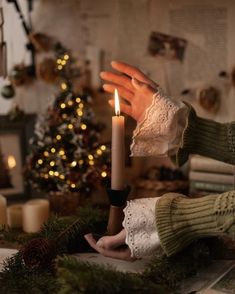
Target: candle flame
[[116, 101]]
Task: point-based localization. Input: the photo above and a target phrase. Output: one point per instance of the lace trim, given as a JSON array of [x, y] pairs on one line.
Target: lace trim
[[139, 223], [159, 131]]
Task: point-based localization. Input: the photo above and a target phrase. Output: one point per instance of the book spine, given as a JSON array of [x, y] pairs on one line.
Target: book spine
[[207, 186], [210, 165], [211, 177]]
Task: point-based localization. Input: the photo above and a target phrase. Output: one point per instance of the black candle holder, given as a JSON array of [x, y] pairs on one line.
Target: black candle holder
[[117, 200]]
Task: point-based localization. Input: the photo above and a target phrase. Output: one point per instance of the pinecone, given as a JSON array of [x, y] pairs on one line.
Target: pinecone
[[39, 253]]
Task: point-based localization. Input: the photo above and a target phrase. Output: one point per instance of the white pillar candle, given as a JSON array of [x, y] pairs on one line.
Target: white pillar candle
[[3, 210], [35, 213], [14, 216], [118, 147]]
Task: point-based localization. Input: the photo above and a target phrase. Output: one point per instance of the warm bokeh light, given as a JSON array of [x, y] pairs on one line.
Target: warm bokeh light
[[11, 161]]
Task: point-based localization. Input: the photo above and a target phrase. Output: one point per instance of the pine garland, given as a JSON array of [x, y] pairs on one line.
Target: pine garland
[[71, 275]]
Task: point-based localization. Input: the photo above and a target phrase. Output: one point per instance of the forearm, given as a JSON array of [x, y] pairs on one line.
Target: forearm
[[207, 138]]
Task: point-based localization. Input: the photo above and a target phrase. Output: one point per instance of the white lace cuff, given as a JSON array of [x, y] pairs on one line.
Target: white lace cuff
[[139, 223], [160, 132]]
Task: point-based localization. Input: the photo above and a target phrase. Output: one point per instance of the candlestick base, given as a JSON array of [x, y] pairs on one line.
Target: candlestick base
[[117, 200]]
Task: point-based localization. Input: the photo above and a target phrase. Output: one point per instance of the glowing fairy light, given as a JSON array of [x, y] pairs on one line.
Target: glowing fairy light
[[63, 86], [61, 152], [79, 112], [66, 57], [99, 152], [103, 174], [73, 164], [53, 150], [83, 127], [103, 147]]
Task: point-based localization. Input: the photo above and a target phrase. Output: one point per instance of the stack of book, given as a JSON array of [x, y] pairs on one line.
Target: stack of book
[[209, 175]]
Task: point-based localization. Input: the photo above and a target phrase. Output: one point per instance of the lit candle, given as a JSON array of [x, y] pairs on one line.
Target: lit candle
[[118, 147], [35, 213], [14, 216], [3, 210]]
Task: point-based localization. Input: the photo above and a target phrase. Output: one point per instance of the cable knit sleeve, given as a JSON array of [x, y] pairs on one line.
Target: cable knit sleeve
[[160, 132], [207, 138], [140, 225]]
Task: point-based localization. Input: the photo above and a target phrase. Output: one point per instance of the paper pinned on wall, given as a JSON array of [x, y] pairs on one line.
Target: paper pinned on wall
[[205, 27]]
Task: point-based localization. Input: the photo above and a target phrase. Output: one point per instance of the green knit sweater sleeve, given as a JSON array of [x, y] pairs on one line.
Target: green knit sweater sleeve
[[181, 220], [207, 138]]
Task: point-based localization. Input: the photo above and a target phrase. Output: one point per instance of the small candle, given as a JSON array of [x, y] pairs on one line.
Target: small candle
[[118, 147], [14, 216], [3, 210], [35, 213]]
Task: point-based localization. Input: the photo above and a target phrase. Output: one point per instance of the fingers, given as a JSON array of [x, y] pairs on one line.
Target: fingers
[[92, 242], [143, 87], [124, 254], [117, 79], [124, 93], [111, 242], [130, 70]]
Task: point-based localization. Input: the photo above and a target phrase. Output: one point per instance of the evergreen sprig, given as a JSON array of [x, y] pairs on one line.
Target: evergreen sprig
[[164, 274], [81, 277]]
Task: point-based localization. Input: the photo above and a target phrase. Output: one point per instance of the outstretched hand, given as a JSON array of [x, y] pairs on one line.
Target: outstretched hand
[[134, 87], [109, 246]]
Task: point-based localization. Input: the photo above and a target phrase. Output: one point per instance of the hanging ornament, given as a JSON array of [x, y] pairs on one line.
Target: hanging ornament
[[209, 98], [8, 91], [41, 42], [19, 75], [46, 70]]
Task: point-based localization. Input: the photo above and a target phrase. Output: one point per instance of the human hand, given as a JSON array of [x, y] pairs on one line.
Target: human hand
[[133, 86], [109, 246]]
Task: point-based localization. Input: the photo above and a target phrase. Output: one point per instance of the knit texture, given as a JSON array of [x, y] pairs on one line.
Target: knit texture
[[207, 138], [180, 220]]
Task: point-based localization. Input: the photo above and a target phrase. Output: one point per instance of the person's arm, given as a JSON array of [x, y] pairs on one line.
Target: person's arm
[[207, 138]]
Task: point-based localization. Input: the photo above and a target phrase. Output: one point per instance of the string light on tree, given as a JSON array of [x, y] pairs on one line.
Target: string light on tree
[[66, 153]]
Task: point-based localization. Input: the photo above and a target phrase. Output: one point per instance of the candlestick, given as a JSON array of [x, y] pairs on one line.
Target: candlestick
[[3, 210], [118, 148], [14, 216], [35, 213]]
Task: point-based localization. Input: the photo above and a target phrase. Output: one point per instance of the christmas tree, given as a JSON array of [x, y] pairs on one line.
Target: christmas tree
[[66, 153]]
